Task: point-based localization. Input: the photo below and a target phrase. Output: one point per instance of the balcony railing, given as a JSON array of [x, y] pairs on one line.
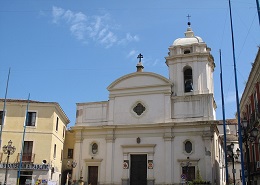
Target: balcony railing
[[27, 157]]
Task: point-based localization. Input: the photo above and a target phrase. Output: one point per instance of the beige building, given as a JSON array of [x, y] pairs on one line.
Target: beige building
[[41, 159]]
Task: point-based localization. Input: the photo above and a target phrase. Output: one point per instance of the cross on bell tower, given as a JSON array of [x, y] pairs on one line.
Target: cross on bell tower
[[189, 20]]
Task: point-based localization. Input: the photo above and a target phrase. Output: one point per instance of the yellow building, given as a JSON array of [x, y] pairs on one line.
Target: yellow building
[[42, 146], [68, 164]]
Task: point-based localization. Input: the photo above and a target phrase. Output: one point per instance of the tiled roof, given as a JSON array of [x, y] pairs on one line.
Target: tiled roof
[[228, 121]]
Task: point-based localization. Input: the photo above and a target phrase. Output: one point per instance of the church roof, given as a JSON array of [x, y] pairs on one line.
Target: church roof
[[188, 39]]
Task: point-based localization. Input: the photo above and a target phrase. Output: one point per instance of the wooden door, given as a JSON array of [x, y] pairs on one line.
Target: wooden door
[[138, 170], [93, 175], [189, 172]]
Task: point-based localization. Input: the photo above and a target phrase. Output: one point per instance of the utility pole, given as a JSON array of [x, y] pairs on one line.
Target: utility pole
[[258, 10]]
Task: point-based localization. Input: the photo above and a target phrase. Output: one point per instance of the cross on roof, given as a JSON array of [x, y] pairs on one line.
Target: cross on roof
[[140, 56], [188, 19]]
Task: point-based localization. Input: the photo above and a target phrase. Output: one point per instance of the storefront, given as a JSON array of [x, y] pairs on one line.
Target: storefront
[[30, 174]]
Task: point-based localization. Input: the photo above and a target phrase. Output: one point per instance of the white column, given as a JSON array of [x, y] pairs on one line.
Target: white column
[[168, 157], [77, 158], [109, 157], [208, 156], [125, 170]]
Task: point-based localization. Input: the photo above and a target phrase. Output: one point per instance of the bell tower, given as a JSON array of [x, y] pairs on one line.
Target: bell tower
[[191, 68]]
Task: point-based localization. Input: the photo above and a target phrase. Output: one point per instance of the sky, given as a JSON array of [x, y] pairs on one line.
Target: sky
[[70, 51]]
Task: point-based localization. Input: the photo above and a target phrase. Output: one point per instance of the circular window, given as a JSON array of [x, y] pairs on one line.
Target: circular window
[[188, 147], [94, 148]]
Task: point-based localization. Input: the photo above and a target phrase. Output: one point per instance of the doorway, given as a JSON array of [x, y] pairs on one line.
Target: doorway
[[25, 177], [93, 175], [138, 170]]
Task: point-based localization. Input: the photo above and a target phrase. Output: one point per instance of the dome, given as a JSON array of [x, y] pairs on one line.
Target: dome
[[189, 39]]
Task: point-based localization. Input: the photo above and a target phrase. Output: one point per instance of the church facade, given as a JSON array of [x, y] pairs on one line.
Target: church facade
[[153, 129]]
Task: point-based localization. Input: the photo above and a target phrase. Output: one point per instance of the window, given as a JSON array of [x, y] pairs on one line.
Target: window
[[70, 153], [57, 123], [31, 118], [139, 109], [186, 51], [54, 153], [94, 148], [64, 129], [1, 117], [188, 83], [255, 102], [188, 147], [61, 155], [27, 151], [258, 146]]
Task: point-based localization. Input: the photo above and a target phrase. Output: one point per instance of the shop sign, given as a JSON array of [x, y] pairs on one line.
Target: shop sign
[[25, 166]]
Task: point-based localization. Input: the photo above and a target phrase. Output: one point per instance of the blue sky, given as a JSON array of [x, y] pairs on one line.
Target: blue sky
[[70, 51]]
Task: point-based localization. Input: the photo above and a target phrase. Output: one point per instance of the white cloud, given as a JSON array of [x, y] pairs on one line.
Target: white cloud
[[78, 30], [129, 38], [57, 13], [132, 53], [97, 28]]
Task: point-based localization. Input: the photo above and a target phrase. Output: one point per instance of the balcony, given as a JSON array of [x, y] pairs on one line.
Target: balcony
[[27, 157]]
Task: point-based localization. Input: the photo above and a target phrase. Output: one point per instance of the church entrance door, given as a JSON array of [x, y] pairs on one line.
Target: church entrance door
[[138, 170], [93, 175]]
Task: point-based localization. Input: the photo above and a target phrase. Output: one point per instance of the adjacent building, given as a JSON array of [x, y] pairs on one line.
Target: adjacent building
[[39, 145], [233, 161], [153, 129], [250, 114]]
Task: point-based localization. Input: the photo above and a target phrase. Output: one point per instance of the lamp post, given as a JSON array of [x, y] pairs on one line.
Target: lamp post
[[233, 157], [9, 150], [70, 165], [248, 135]]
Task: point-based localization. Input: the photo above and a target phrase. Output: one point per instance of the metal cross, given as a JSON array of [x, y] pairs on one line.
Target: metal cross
[[188, 19], [140, 56]]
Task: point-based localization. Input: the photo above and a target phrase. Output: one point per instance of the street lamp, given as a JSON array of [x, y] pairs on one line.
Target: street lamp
[[248, 135], [9, 150], [233, 157], [70, 165]]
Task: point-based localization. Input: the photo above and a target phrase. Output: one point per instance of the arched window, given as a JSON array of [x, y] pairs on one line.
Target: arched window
[[188, 83]]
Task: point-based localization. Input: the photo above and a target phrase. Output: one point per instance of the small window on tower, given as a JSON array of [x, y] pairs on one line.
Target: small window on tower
[[186, 51]]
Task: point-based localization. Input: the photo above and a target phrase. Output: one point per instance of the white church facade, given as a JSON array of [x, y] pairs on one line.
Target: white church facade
[[153, 130]]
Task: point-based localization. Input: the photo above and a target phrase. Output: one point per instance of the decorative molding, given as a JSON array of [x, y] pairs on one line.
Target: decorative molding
[[93, 160], [139, 146]]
